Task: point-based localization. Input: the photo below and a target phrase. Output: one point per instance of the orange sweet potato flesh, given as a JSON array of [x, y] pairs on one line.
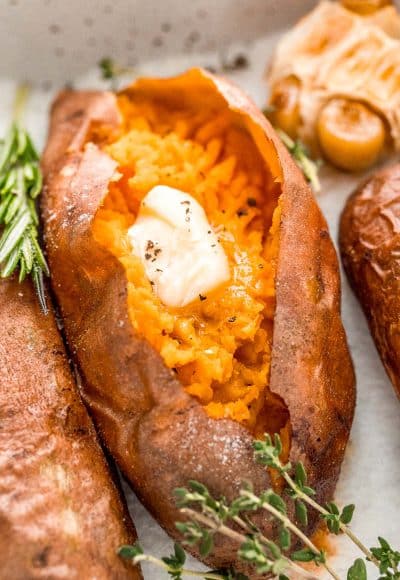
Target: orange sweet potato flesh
[[61, 515], [160, 436], [369, 243]]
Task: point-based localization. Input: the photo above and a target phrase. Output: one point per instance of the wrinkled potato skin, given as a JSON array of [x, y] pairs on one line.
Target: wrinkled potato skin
[[369, 242], [60, 512], [159, 435]]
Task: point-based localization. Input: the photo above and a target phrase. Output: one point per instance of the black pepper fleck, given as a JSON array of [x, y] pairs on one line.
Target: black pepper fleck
[[202, 297]]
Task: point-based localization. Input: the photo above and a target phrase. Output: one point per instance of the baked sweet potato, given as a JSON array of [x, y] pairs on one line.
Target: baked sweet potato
[[60, 512], [179, 393], [369, 243]]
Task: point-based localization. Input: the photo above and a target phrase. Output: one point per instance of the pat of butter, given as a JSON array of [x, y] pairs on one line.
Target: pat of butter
[[181, 255]]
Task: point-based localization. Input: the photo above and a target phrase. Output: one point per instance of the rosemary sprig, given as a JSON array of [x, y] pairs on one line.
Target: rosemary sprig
[[299, 152], [213, 516], [20, 185]]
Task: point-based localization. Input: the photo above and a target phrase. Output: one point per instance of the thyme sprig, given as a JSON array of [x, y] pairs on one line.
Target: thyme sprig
[[300, 154], [207, 516], [110, 70], [20, 185], [173, 564], [268, 453]]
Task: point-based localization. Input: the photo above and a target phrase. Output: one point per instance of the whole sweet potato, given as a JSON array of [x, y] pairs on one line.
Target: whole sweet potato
[[369, 243], [161, 427], [61, 515]]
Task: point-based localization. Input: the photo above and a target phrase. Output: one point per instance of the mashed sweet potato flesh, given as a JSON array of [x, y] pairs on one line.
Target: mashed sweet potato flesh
[[219, 345]]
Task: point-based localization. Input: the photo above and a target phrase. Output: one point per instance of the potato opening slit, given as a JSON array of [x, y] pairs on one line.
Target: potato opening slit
[[220, 343]]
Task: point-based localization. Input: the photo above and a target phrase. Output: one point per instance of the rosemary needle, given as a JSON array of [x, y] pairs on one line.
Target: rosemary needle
[[299, 153], [20, 184]]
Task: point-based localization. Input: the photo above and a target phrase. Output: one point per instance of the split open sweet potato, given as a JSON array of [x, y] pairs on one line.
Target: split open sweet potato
[[180, 393]]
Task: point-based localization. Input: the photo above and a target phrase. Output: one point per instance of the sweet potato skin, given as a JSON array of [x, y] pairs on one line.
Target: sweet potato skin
[[369, 244], [60, 512], [159, 435]]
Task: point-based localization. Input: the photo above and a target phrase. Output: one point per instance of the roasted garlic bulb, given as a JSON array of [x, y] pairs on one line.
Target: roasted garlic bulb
[[365, 6], [335, 82], [350, 135]]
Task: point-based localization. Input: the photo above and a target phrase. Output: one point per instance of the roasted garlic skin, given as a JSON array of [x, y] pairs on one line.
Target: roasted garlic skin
[[350, 135], [285, 112], [335, 82]]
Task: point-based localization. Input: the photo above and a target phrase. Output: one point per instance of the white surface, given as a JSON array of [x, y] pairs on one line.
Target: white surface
[[371, 472]]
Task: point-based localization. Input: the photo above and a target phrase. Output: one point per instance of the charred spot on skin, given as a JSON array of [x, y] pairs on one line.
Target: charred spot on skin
[[324, 234], [367, 255], [202, 298], [241, 212], [251, 202], [40, 560], [73, 421], [232, 319]]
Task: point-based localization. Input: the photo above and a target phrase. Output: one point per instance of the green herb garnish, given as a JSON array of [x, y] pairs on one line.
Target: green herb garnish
[[300, 154], [207, 516], [20, 185], [110, 70]]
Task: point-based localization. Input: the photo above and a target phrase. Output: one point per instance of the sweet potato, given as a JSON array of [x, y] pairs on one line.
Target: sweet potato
[[61, 515], [369, 243], [156, 424]]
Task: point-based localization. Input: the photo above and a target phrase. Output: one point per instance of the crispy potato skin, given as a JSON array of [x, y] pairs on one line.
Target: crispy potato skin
[[369, 243], [159, 435], [60, 512]]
